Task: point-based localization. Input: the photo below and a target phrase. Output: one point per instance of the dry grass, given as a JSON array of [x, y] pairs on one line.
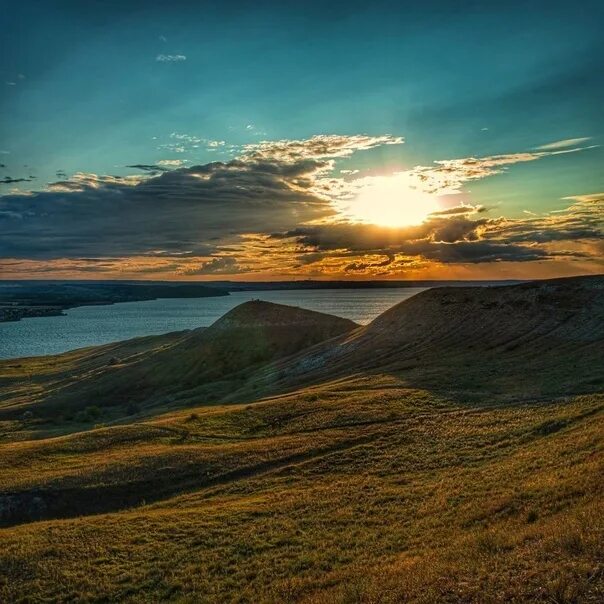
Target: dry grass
[[361, 491], [393, 469]]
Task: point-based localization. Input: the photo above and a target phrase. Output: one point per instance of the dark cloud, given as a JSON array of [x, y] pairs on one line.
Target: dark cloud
[[184, 210], [373, 238], [457, 210], [7, 180], [584, 220], [451, 237], [363, 266], [382, 240], [465, 252], [148, 167], [220, 265], [549, 235]]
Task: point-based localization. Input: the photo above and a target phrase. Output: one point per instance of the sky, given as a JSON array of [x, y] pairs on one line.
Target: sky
[[316, 140]]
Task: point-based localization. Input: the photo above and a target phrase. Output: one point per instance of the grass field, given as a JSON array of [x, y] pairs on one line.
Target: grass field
[[361, 480]]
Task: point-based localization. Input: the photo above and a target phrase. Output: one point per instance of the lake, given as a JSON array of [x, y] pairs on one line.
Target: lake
[[92, 325]]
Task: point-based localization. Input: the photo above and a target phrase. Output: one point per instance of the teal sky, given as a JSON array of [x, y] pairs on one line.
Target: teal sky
[[97, 87]]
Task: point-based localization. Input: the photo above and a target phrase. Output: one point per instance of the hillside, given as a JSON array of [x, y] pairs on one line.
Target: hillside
[[443, 453], [206, 362], [514, 342]]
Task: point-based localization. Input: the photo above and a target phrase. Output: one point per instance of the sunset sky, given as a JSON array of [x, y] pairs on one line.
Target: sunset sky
[[326, 140]]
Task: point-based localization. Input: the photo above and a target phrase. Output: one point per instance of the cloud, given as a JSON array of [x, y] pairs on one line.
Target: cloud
[[446, 177], [375, 239], [186, 137], [171, 163], [187, 209], [273, 209], [221, 265], [456, 236], [318, 147], [170, 58], [364, 266], [147, 167], [189, 142], [583, 220], [564, 144], [461, 209], [589, 198], [254, 130], [7, 180], [82, 181]]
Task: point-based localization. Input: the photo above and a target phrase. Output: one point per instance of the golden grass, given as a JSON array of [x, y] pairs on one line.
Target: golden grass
[[449, 456], [359, 491]]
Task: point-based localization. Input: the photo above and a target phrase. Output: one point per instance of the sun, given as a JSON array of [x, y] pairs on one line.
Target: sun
[[391, 201]]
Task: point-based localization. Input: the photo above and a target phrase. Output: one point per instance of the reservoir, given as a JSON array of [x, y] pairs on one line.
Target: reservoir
[[93, 325]]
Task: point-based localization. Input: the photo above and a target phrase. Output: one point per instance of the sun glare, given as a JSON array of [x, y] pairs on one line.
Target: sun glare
[[391, 201]]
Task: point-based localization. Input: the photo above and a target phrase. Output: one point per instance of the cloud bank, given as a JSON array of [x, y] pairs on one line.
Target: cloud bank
[[274, 209]]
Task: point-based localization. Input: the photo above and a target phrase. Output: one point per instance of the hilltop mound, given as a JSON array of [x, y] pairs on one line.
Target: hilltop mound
[[531, 339], [258, 313], [207, 362], [256, 331], [251, 334]]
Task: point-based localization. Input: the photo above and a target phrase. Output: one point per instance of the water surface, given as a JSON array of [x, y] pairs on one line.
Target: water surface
[[92, 325]]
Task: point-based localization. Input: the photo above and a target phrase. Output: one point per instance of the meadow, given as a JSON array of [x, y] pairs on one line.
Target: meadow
[[370, 466]]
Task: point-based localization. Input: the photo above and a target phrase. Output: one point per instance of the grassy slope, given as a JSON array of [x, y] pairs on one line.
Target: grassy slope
[[157, 371], [340, 492], [367, 488], [510, 343]]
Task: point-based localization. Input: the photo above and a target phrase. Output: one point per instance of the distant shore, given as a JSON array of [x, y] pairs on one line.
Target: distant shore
[[16, 313], [20, 300], [25, 299]]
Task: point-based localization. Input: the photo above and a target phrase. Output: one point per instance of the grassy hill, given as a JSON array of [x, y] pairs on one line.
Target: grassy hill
[[531, 340], [444, 453], [205, 363]]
